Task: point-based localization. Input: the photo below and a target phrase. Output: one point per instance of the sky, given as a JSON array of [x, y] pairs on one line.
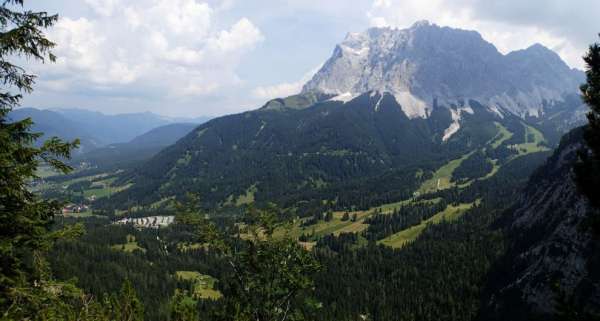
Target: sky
[[189, 58]]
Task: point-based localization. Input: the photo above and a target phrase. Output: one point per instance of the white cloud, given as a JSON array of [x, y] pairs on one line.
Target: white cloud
[[284, 89], [102, 7], [170, 48], [242, 34], [277, 91]]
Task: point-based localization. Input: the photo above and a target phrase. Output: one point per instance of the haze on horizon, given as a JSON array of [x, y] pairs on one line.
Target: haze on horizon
[[214, 57]]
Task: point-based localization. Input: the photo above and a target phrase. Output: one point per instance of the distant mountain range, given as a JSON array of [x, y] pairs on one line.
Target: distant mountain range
[[380, 117], [96, 129], [138, 149]]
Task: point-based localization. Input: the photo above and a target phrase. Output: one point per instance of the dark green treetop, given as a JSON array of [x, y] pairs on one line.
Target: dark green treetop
[[588, 170]]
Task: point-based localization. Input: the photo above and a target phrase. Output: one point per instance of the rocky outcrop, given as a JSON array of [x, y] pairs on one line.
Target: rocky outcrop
[[552, 260]]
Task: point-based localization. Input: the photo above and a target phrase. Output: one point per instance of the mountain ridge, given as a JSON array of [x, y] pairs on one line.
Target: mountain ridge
[[427, 64]]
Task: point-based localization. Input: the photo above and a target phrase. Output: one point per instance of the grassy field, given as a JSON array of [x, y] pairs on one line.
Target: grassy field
[[402, 238], [130, 246], [187, 246], [203, 284], [502, 136], [336, 226], [533, 138], [494, 170], [85, 214], [247, 198], [441, 178], [106, 190], [100, 187], [389, 208]]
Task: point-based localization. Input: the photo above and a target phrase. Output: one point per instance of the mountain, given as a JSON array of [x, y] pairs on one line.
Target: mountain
[[138, 149], [552, 263], [387, 111], [163, 135], [55, 124], [97, 130], [112, 129], [426, 65]]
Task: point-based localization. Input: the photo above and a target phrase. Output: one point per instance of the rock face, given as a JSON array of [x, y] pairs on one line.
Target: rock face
[[553, 259], [427, 65]]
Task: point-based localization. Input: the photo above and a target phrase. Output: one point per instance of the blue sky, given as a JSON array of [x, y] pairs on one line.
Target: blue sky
[[216, 57]]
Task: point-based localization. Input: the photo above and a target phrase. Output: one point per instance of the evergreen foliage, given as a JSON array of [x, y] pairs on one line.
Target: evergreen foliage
[[588, 170], [266, 278], [27, 290]]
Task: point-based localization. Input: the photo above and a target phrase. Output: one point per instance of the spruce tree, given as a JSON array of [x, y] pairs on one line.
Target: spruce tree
[[183, 307], [128, 307], [27, 289], [588, 170]]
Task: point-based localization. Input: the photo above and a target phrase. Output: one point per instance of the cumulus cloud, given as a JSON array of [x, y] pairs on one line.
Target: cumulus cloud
[[283, 89], [564, 26], [170, 48], [183, 57]]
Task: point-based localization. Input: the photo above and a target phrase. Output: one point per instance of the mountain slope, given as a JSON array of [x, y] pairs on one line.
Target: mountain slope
[[114, 128], [138, 149], [285, 155], [54, 124], [552, 264], [390, 108]]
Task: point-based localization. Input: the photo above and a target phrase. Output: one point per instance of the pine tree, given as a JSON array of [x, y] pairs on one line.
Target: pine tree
[[346, 216], [588, 170], [183, 307], [127, 306], [591, 96], [27, 290]]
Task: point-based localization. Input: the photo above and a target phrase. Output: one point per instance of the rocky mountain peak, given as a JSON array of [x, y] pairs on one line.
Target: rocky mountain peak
[[427, 62]]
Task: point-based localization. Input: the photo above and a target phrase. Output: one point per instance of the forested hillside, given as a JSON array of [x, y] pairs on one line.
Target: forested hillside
[[420, 174]]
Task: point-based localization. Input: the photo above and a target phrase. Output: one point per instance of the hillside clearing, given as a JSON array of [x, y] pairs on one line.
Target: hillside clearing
[[404, 237], [502, 136], [533, 142], [441, 178], [203, 284], [130, 246], [337, 226]]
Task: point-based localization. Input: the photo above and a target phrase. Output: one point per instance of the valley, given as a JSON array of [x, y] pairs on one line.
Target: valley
[[443, 193], [418, 173]]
